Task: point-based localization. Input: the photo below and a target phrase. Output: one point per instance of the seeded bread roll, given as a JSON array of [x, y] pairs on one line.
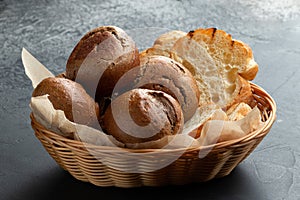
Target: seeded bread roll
[[142, 115], [100, 58], [70, 97]]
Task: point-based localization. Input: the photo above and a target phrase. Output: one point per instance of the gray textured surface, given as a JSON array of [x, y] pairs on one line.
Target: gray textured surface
[[50, 29]]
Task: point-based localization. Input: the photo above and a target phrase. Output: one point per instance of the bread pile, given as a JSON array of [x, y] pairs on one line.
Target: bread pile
[[184, 84]]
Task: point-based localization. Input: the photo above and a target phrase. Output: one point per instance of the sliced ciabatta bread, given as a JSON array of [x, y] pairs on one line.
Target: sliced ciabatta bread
[[167, 40], [222, 66], [163, 44], [226, 51], [209, 80]]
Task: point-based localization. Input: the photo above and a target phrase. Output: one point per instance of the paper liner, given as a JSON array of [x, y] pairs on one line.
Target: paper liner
[[35, 70], [216, 130]]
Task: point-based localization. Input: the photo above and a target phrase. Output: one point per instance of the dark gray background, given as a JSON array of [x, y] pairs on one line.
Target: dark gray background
[[50, 30]]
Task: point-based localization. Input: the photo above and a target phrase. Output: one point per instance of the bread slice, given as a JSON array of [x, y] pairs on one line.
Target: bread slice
[[167, 40], [196, 58], [226, 51], [163, 44], [217, 62]]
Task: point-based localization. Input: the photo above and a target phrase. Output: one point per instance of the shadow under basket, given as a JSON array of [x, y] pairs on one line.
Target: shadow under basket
[[113, 166]]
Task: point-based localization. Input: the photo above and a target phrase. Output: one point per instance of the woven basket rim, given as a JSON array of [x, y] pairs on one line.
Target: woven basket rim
[[214, 147]]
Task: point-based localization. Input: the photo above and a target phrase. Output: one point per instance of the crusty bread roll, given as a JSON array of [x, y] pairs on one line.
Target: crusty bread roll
[[100, 58], [142, 115], [70, 97], [164, 74]]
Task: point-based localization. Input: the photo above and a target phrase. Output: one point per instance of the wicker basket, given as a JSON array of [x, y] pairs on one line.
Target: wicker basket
[[222, 158]]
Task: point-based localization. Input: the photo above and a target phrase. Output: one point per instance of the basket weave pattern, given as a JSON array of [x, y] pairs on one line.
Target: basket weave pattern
[[222, 158]]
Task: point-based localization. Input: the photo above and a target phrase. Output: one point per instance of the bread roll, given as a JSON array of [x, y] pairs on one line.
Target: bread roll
[[100, 58], [164, 74], [142, 115], [70, 97]]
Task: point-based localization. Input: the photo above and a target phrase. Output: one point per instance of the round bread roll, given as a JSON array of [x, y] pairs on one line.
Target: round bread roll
[[70, 97], [100, 58], [142, 115], [164, 74]]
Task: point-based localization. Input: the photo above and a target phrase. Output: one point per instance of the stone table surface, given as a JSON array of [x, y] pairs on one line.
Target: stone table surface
[[50, 30]]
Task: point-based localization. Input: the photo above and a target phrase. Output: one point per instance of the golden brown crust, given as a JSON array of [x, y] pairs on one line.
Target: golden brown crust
[[154, 51], [105, 53], [142, 115], [245, 93], [250, 73], [70, 97]]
